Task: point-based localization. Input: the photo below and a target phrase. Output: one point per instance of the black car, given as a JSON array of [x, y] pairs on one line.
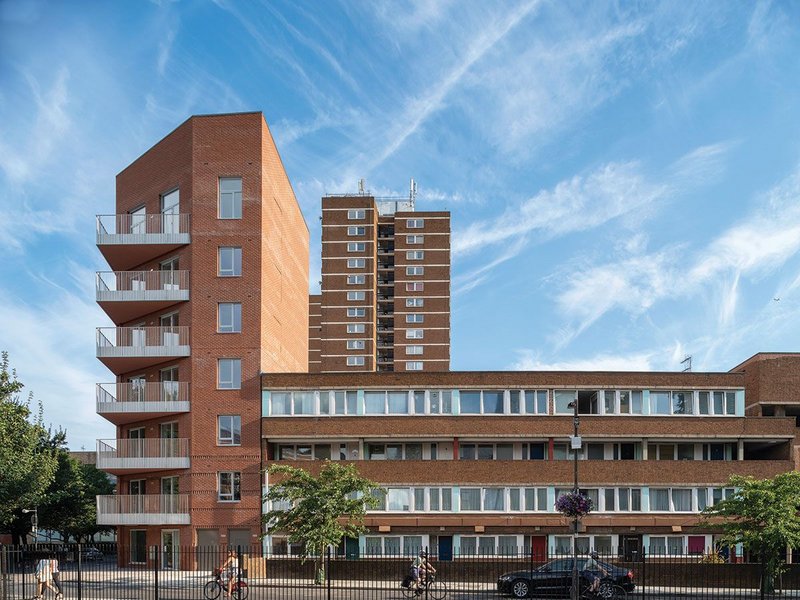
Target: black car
[[555, 579]]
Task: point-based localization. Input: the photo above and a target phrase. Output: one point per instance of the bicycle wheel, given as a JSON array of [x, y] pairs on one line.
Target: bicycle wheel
[[408, 592], [611, 591], [241, 594], [437, 590], [212, 590]]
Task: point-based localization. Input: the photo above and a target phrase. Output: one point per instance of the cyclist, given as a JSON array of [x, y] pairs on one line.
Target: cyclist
[[420, 569], [228, 571], [590, 571]]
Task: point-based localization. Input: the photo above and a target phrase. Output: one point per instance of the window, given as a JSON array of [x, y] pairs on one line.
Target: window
[[415, 239], [229, 263], [230, 198], [659, 500], [415, 302], [414, 366], [355, 361], [355, 344], [229, 486], [356, 263], [682, 403], [356, 246], [356, 296], [356, 214], [415, 223], [415, 255], [470, 498], [659, 403], [630, 402], [414, 349], [415, 334], [536, 402], [356, 312], [355, 328], [229, 373], [353, 230], [229, 317], [229, 430], [356, 279], [415, 270], [415, 318], [717, 403], [681, 500], [416, 286]]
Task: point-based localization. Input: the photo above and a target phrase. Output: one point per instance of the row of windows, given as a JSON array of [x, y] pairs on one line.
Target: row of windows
[[356, 296], [346, 402], [612, 402], [358, 214]]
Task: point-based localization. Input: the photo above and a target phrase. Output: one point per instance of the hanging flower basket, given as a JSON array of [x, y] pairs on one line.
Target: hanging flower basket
[[574, 505]]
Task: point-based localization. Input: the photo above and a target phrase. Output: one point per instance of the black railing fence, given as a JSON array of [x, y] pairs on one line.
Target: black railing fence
[[106, 572]]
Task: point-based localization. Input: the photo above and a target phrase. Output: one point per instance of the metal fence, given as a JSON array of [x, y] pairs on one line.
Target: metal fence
[[105, 572]]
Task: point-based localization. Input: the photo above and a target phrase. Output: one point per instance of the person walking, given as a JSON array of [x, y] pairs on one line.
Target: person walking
[[44, 578], [56, 574]]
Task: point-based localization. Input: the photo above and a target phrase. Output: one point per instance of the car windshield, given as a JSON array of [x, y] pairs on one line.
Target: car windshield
[[562, 564]]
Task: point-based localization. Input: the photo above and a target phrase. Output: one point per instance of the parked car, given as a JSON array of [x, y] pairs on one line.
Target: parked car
[[91, 553], [555, 579]]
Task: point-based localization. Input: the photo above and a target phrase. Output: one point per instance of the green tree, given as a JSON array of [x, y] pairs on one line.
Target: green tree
[[764, 516], [322, 509], [27, 454]]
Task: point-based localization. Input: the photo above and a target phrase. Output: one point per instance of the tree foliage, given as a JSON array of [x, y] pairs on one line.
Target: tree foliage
[[763, 515], [27, 451], [321, 510]]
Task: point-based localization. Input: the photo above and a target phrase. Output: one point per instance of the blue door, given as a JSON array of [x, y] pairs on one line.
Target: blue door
[[445, 547]]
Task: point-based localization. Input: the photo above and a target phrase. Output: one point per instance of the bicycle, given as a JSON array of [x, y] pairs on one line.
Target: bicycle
[[214, 588], [435, 589], [607, 590]]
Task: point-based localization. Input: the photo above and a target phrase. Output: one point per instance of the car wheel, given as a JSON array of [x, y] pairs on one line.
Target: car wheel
[[520, 588]]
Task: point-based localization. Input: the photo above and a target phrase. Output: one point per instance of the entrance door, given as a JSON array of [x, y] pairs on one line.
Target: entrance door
[[169, 384], [170, 204], [138, 335], [136, 390], [631, 547], [539, 548], [170, 549], [138, 220], [208, 551], [169, 495], [136, 489], [136, 443], [445, 547], [169, 330], [169, 439], [169, 275], [239, 538]]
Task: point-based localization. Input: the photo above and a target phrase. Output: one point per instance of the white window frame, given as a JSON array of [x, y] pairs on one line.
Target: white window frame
[[356, 312], [414, 350], [415, 271], [415, 302], [356, 230], [415, 223], [356, 328], [415, 318], [355, 361], [235, 259], [415, 255], [415, 239], [356, 214], [229, 310], [229, 385], [233, 197], [229, 498], [356, 263], [414, 365], [356, 279], [356, 344], [356, 246], [356, 296], [235, 425], [415, 334]]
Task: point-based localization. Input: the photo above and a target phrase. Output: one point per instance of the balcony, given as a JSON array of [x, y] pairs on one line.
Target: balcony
[[132, 239], [142, 455], [155, 509], [124, 349], [123, 403], [127, 295]]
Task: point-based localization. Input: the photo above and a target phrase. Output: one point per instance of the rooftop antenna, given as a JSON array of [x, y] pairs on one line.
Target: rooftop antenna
[[361, 187], [687, 364], [412, 194]]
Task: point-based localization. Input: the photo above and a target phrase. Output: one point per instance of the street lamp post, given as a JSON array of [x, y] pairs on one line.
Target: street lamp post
[[575, 444], [34, 523]]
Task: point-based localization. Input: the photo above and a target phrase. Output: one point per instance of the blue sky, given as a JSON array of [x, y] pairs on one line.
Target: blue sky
[[624, 179]]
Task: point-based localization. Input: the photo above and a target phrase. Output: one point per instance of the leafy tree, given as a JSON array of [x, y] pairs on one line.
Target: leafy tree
[[323, 509], [764, 516], [69, 506], [27, 451]]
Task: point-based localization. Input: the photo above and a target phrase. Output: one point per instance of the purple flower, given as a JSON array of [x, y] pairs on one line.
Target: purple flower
[[574, 504]]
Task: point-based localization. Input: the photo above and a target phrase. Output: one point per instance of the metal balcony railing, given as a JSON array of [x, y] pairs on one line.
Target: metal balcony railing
[[143, 509], [163, 396], [143, 454], [141, 285], [138, 226], [141, 341]]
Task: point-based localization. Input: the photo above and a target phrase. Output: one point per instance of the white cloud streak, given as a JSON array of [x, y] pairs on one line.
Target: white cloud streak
[[529, 360]]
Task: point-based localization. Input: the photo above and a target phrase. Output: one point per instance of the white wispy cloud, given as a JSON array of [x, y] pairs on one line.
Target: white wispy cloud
[[580, 203], [164, 50], [528, 360], [703, 165]]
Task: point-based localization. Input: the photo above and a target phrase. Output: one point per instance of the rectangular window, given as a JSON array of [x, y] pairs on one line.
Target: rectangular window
[[356, 263], [562, 400], [353, 230], [470, 402], [470, 499], [415, 223], [415, 239], [229, 373], [536, 402], [229, 486], [659, 500], [494, 499], [356, 296], [356, 312], [355, 344], [411, 350], [398, 499], [682, 500], [355, 361], [229, 262], [415, 286], [415, 334], [356, 214], [230, 198], [415, 302], [356, 246], [280, 403], [229, 430], [355, 328], [356, 279], [414, 366], [415, 271], [659, 403], [229, 317], [682, 403], [415, 255], [415, 318]]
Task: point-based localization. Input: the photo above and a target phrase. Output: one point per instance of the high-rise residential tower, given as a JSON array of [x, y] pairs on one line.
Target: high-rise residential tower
[[208, 288], [385, 301]]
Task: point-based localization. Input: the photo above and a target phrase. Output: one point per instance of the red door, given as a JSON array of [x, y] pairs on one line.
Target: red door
[[539, 547]]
